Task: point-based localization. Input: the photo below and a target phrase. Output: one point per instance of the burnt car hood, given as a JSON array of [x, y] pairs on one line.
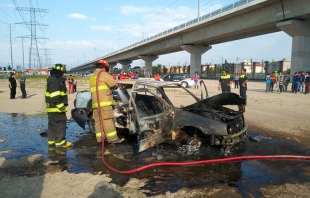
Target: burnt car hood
[[217, 101]]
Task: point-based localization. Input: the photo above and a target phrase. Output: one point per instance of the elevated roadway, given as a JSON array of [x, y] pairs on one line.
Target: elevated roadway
[[243, 19]]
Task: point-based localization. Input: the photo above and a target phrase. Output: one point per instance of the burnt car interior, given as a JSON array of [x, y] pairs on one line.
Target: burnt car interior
[[148, 105]]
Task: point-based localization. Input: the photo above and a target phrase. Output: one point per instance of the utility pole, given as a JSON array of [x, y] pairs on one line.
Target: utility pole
[[33, 33], [11, 47]]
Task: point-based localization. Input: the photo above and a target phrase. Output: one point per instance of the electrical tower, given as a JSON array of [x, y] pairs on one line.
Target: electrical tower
[[22, 37], [32, 26], [46, 56]]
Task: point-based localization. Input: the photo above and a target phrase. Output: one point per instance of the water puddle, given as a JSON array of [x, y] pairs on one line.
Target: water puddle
[[20, 138]]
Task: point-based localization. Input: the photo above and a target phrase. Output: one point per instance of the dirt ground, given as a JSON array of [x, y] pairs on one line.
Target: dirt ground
[[284, 116]]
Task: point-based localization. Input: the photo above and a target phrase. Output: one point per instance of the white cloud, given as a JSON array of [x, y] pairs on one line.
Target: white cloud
[[134, 9], [77, 16], [7, 5], [101, 27], [93, 19], [151, 23]]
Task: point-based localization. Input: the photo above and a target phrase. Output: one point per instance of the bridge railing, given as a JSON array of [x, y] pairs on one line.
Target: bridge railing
[[186, 24]]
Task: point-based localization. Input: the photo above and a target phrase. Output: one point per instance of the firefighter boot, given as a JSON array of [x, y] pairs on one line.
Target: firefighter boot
[[117, 140], [63, 144]]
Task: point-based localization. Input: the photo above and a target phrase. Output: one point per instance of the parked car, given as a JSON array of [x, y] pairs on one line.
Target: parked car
[[182, 79], [157, 112]]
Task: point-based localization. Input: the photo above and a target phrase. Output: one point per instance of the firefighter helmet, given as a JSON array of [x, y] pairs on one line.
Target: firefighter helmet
[[102, 64], [59, 67]]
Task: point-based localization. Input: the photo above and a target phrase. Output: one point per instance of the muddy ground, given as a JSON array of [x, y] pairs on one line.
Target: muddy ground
[[29, 169]]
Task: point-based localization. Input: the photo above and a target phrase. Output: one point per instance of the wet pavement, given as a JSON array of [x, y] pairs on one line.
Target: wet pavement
[[19, 137]]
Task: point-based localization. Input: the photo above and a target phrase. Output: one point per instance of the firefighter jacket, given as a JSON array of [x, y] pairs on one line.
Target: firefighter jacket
[[105, 83], [225, 80], [56, 95]]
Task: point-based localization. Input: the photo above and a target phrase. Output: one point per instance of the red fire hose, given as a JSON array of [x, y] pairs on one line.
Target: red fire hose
[[210, 161]]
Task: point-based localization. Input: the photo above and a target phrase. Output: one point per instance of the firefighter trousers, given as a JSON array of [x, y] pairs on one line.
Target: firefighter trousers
[[108, 124], [56, 127]]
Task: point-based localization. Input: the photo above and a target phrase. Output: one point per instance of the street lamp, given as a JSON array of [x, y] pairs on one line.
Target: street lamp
[[220, 57], [222, 60], [167, 62]]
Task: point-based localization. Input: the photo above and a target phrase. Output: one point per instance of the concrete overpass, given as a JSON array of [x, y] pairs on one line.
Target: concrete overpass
[[243, 19]]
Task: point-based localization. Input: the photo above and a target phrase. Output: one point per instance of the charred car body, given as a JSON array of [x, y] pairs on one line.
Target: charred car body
[[157, 112]]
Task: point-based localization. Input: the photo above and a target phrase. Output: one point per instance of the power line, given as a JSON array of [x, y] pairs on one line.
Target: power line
[[31, 25]]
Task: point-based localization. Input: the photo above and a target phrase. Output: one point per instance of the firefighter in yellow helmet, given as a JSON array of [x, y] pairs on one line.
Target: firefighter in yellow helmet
[[105, 84], [56, 99]]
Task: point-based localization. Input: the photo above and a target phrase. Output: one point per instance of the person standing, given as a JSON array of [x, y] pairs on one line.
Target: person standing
[[224, 82], [281, 83], [236, 81], [74, 84], [196, 78], [302, 82], [70, 84], [286, 81], [22, 83], [104, 86], [12, 85], [273, 80], [56, 99], [243, 80], [297, 80], [307, 88], [268, 83]]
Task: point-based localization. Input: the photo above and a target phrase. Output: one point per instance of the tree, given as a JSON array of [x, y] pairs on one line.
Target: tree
[[9, 68], [157, 67]]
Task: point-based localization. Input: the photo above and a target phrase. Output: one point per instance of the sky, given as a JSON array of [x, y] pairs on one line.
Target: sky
[[73, 32]]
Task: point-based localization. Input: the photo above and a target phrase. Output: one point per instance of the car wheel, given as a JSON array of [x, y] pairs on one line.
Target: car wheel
[[194, 141], [184, 84], [91, 125]]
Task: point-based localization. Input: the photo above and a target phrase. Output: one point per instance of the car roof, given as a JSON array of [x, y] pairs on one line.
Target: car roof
[[153, 83]]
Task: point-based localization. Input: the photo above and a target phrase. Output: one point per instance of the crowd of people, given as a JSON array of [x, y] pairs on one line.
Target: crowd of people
[[124, 75], [278, 82]]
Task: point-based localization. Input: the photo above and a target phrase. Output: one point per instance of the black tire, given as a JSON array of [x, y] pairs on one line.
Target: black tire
[[91, 125]]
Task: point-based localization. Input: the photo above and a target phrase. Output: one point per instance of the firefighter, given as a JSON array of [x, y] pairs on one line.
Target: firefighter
[[56, 99], [243, 80], [224, 82], [105, 84]]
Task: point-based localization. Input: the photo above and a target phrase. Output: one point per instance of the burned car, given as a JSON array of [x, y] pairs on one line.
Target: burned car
[[157, 112]]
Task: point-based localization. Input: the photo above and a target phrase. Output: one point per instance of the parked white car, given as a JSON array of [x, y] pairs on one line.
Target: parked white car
[[183, 79]]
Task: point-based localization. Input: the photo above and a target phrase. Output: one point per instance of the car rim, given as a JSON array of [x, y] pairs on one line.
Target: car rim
[[184, 84]]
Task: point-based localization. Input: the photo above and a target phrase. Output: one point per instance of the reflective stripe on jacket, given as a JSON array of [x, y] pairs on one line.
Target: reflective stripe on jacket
[[105, 81], [56, 96], [225, 77]]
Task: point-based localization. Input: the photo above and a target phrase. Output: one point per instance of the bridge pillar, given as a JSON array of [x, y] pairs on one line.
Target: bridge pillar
[[196, 51], [300, 33], [148, 63], [125, 64], [111, 65]]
